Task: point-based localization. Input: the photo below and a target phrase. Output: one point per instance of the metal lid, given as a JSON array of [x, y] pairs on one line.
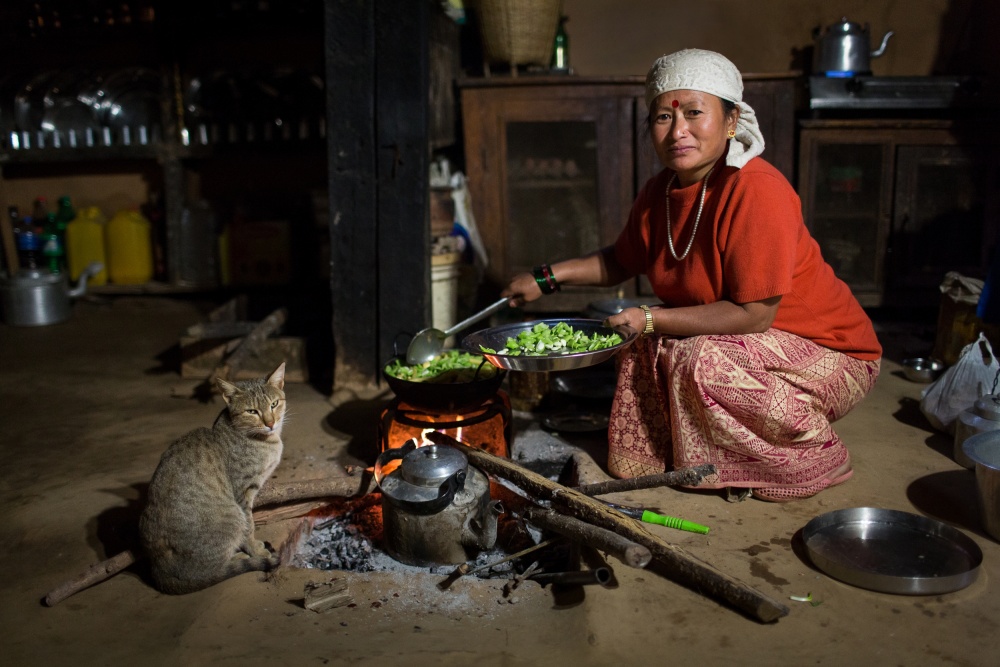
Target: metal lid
[[432, 465], [988, 407], [34, 278]]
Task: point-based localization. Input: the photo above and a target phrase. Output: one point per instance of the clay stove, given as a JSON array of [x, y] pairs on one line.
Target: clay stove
[[486, 424]]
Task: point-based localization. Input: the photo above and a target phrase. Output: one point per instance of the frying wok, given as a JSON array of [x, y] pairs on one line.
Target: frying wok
[[446, 396]]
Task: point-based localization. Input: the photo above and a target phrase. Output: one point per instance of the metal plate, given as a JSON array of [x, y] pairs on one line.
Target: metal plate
[[576, 422], [496, 339], [892, 551]]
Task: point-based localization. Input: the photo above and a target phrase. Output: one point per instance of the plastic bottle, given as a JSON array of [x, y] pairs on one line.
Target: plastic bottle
[[128, 245], [29, 245], [85, 244], [64, 213], [52, 245]]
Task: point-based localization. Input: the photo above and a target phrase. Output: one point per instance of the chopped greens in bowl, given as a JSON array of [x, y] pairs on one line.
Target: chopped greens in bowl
[[561, 338]]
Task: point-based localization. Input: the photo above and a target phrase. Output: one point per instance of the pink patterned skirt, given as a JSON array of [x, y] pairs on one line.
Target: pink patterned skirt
[[757, 406]]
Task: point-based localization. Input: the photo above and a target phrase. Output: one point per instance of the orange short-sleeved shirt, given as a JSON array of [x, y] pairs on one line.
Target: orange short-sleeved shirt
[[751, 244]]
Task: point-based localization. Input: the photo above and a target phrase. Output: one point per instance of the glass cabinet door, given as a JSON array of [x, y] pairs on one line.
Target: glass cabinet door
[[847, 211], [551, 175], [938, 218], [846, 190], [552, 191]]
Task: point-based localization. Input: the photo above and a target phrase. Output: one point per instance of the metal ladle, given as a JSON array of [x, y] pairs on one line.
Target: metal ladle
[[429, 343]]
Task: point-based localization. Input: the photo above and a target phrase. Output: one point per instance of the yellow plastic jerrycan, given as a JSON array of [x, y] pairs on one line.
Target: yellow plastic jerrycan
[[85, 244], [128, 244]]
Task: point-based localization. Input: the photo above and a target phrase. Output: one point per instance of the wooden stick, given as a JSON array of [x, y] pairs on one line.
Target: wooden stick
[[94, 574], [272, 494], [323, 596], [625, 550], [683, 477], [268, 515], [676, 561], [341, 487], [235, 361]]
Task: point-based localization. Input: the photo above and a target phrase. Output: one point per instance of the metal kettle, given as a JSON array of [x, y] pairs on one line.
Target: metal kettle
[[844, 49], [36, 298], [436, 508]]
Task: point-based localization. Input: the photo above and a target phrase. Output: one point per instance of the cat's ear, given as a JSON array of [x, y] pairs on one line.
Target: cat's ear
[[277, 378], [228, 389]]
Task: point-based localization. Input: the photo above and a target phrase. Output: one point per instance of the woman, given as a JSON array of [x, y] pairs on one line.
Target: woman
[[757, 346]]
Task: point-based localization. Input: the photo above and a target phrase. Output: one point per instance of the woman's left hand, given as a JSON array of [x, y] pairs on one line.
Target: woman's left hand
[[631, 317]]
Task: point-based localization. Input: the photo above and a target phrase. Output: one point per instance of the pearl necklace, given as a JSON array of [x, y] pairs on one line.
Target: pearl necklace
[[697, 219]]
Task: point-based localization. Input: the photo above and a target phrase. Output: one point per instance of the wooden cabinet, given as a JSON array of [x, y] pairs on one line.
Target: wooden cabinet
[[897, 204], [554, 163]]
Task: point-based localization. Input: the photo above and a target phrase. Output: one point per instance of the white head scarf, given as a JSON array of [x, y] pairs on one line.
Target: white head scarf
[[709, 72]]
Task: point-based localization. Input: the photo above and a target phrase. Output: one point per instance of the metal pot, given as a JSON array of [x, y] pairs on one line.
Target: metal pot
[[36, 298], [446, 395], [436, 508], [844, 49]]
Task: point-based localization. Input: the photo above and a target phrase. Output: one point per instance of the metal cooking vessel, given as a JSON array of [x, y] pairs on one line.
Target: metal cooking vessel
[[436, 508], [844, 49], [37, 298], [446, 395]]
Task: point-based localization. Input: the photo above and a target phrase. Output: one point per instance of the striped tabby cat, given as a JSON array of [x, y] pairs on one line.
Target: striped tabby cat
[[197, 527]]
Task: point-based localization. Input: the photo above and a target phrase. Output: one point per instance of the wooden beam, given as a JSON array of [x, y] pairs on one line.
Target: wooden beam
[[350, 101], [377, 100]]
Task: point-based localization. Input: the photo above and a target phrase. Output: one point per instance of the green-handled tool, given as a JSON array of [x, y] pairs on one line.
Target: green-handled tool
[[661, 519]]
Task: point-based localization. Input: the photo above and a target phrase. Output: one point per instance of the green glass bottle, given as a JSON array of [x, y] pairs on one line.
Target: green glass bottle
[[64, 212], [560, 49]]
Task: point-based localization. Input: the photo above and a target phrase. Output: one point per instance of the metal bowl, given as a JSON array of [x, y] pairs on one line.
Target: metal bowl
[[922, 369], [892, 551], [496, 339]]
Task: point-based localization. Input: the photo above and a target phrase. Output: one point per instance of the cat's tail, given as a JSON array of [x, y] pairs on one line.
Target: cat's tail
[[94, 574]]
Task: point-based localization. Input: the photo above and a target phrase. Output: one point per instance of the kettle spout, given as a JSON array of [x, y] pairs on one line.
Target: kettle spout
[[81, 286], [881, 49], [481, 533]]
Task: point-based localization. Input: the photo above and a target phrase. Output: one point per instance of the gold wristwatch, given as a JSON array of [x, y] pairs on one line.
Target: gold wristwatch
[[648, 329]]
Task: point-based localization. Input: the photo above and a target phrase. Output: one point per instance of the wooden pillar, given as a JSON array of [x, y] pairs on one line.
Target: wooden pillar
[[377, 100]]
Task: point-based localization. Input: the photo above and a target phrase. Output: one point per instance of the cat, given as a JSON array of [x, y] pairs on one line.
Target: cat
[[197, 527]]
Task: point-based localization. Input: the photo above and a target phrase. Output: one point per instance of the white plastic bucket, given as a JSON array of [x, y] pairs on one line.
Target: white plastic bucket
[[444, 295]]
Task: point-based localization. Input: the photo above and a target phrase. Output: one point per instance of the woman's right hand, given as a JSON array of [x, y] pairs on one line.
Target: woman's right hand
[[521, 289]]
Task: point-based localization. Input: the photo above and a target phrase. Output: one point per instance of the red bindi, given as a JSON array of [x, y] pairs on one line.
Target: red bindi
[[675, 104]]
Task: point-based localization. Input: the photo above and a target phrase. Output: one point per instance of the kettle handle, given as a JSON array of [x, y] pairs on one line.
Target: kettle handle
[[885, 41], [90, 271]]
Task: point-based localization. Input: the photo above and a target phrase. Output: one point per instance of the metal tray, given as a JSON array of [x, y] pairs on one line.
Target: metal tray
[[892, 551], [496, 339], [577, 421]]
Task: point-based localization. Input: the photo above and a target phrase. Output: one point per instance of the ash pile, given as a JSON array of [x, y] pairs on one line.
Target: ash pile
[[337, 543]]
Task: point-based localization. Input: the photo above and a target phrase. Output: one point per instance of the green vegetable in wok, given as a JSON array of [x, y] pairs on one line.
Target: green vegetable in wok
[[451, 366], [543, 340]]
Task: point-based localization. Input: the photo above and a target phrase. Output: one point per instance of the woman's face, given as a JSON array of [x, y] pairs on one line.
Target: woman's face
[[689, 131]]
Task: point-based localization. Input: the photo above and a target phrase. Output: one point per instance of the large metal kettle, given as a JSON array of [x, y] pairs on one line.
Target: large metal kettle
[[436, 508], [844, 49], [36, 298]]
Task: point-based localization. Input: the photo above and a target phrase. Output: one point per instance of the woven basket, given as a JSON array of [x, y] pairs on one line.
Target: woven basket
[[518, 32]]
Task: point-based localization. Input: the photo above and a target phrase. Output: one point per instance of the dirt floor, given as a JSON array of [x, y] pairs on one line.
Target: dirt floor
[[92, 403]]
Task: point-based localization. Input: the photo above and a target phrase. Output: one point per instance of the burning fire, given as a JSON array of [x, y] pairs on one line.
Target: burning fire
[[484, 427]]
